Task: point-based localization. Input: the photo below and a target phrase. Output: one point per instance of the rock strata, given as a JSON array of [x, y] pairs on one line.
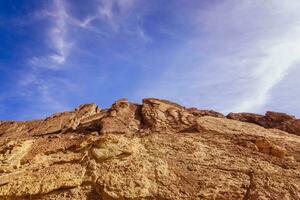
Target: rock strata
[[154, 150], [281, 121]]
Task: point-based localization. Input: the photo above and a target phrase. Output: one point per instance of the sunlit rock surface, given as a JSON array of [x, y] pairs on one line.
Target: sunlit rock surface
[[156, 150]]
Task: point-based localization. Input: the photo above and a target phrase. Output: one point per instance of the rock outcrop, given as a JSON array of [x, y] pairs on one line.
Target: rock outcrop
[[156, 150], [277, 120]]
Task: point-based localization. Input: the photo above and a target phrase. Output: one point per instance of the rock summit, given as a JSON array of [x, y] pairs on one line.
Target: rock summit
[[154, 150]]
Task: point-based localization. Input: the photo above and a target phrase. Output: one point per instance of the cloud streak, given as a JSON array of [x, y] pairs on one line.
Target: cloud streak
[[238, 53], [114, 11], [56, 36], [37, 83], [225, 55], [272, 68], [276, 33], [58, 33]]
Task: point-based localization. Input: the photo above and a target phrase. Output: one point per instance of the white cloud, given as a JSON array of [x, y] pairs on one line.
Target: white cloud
[[46, 82], [110, 10], [239, 52], [105, 10], [273, 32], [86, 22], [58, 33], [272, 68], [113, 13], [56, 36], [34, 84]]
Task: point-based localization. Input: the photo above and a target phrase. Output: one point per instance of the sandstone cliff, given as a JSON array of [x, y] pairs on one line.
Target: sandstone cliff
[[157, 150]]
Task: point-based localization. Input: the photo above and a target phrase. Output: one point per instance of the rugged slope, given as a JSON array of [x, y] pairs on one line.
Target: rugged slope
[[157, 150]]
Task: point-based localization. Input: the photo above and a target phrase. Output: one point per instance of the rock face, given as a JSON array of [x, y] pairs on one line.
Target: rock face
[[157, 150], [276, 120]]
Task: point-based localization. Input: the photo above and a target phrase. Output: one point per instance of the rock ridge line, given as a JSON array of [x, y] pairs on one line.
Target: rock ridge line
[[154, 150]]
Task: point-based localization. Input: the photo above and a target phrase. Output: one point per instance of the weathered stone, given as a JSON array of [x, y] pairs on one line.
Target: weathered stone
[[249, 117], [267, 147], [279, 117], [161, 115], [281, 121], [157, 150], [122, 117], [202, 113], [291, 126]]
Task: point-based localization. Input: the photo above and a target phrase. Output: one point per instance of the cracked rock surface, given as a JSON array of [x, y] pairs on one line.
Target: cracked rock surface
[[154, 150]]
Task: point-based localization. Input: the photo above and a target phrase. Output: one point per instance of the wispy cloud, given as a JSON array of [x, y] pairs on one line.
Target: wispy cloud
[[115, 16], [57, 36], [272, 68], [273, 32], [239, 52], [34, 83], [37, 82], [58, 33], [114, 11], [225, 55]]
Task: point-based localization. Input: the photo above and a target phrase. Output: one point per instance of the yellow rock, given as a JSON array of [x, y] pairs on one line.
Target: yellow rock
[[157, 150]]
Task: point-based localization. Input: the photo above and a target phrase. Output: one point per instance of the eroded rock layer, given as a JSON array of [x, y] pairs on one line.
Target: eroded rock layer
[[156, 150], [277, 120]]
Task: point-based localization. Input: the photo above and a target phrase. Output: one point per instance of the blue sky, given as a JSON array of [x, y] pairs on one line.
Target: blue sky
[[227, 55]]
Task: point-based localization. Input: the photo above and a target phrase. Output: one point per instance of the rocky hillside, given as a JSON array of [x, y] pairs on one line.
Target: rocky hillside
[[157, 150]]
